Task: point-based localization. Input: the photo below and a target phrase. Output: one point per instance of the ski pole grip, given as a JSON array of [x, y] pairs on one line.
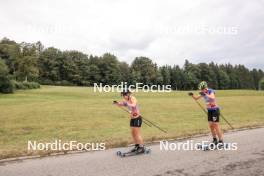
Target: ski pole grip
[[190, 94]]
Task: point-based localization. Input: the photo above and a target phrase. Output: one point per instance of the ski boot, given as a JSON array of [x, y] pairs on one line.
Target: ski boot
[[135, 148], [141, 149]]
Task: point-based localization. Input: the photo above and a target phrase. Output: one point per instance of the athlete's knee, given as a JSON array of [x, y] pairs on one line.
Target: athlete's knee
[[135, 130], [216, 124], [211, 125]]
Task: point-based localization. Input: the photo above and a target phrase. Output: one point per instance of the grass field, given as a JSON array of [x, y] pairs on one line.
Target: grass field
[[77, 113]]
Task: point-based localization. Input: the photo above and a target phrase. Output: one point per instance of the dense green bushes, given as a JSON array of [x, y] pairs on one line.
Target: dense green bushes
[[26, 85], [6, 85], [57, 83]]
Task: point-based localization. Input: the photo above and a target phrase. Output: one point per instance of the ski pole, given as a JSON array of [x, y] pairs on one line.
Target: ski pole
[[220, 113], [226, 121], [155, 125], [200, 106]]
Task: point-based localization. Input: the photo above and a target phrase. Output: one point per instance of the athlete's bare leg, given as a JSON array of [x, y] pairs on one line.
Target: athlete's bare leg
[[137, 135], [218, 131], [133, 133], [212, 128]]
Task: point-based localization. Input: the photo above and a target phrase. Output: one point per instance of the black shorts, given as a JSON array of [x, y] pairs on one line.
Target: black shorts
[[136, 122], [213, 115]]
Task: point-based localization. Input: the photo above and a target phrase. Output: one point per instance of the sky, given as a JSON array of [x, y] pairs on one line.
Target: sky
[[167, 31]]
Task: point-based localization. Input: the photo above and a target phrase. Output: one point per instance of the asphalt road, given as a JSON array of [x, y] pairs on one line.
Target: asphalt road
[[247, 160]]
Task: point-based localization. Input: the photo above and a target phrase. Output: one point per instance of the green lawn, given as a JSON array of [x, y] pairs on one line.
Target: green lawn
[[77, 113]]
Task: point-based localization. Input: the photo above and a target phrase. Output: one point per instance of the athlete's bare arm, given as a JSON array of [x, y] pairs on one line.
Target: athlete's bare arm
[[196, 97], [121, 103], [132, 102]]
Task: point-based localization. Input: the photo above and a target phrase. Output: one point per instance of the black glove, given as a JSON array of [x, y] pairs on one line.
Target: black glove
[[115, 102], [202, 93], [190, 94]]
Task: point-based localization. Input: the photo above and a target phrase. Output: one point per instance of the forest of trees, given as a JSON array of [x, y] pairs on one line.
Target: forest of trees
[[32, 62]]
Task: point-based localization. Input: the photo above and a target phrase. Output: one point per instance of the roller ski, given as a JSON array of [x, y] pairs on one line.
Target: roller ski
[[137, 150]]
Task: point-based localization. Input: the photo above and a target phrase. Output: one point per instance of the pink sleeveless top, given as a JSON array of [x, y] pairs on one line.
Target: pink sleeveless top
[[134, 110]]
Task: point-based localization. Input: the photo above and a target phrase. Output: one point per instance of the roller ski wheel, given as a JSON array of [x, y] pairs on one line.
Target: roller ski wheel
[[123, 155], [147, 151], [118, 153]]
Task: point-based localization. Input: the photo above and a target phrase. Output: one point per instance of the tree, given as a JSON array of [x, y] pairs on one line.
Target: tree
[[234, 82], [166, 75], [257, 76], [177, 78], [192, 74], [27, 68], [6, 85], [39, 48], [214, 75], [34, 62], [143, 71], [261, 84], [223, 80], [158, 80], [10, 53], [244, 77], [49, 65], [70, 66], [109, 69], [94, 75], [191, 81], [125, 72]]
